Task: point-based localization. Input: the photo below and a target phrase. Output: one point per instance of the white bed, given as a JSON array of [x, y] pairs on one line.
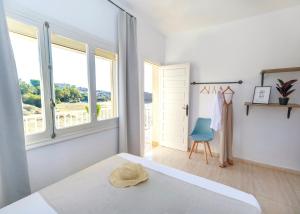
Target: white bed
[[167, 191]]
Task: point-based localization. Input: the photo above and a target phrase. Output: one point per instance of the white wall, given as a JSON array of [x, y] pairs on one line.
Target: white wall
[[151, 47], [240, 50], [151, 43], [98, 18], [52, 163]]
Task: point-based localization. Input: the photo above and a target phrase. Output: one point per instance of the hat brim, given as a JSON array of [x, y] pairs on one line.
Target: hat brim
[[116, 181]]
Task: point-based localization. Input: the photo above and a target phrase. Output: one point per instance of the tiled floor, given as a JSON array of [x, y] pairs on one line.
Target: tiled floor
[[276, 191]]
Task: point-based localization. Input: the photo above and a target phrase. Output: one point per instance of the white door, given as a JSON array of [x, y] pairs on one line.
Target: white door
[[174, 83]]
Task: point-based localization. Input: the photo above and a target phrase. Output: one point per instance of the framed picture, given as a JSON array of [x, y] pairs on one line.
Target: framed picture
[[262, 94]]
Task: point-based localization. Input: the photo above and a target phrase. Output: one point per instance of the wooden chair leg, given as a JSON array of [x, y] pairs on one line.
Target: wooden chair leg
[[209, 149], [196, 148], [205, 152], [192, 149]]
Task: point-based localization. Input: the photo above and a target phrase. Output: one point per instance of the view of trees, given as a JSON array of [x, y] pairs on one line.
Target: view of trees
[[69, 94], [31, 93], [64, 93]]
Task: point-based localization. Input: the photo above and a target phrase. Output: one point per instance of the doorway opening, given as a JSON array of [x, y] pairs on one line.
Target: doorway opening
[[151, 108], [166, 107]]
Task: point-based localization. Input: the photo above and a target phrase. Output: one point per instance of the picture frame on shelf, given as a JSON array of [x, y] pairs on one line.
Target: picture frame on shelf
[[261, 94]]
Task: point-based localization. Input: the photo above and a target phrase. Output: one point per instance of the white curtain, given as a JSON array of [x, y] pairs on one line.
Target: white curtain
[[13, 163], [129, 111]]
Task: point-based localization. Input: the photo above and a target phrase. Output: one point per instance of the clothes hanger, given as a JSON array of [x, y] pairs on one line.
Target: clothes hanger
[[214, 90], [204, 89], [228, 89], [221, 89]]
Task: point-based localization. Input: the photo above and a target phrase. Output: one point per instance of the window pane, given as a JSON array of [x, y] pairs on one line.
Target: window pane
[[24, 40], [70, 79], [105, 70]]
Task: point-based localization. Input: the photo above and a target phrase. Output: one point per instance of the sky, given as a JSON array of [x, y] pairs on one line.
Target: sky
[[68, 66]]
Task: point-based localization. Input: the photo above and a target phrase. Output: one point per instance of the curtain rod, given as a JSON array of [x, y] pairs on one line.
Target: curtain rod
[[113, 3], [216, 83]]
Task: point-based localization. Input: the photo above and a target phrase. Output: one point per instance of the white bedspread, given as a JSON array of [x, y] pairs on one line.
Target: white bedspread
[[33, 204], [195, 180], [88, 191]]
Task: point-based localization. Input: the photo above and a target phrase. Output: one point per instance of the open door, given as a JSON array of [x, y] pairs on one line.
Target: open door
[[174, 83]]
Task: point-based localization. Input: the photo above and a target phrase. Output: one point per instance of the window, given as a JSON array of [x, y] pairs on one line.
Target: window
[[105, 66], [59, 97], [24, 39], [70, 78]]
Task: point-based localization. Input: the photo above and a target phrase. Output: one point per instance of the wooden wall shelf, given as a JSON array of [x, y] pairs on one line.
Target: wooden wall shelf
[[277, 70], [273, 105]]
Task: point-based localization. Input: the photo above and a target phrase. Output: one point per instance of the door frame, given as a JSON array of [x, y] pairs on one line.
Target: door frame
[[142, 102]]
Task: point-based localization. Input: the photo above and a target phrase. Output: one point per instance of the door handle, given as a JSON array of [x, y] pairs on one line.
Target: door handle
[[186, 108]]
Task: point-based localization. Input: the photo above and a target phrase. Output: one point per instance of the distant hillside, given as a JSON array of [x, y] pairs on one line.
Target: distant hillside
[[103, 96]]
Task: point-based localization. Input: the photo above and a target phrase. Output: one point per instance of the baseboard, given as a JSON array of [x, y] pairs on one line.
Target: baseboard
[[292, 171], [255, 163]]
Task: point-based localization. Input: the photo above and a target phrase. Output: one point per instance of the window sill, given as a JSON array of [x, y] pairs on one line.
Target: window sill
[[99, 127]]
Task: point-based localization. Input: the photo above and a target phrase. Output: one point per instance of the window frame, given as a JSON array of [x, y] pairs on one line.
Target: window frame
[[30, 139], [92, 43], [63, 131], [114, 82]]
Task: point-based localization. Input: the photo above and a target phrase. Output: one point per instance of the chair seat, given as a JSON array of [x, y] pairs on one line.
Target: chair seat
[[202, 137]]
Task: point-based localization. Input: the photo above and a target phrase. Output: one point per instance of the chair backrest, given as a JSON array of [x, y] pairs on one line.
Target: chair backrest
[[202, 126]]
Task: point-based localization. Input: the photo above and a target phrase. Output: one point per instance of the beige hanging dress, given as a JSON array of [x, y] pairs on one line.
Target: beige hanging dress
[[226, 134]]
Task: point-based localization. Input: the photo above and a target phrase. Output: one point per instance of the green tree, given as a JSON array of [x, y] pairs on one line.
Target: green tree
[[84, 97], [32, 99], [30, 94], [67, 94], [37, 86], [25, 87], [75, 95], [35, 83], [58, 94]]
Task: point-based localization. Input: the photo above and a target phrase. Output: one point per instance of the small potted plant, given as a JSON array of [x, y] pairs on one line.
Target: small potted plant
[[285, 89]]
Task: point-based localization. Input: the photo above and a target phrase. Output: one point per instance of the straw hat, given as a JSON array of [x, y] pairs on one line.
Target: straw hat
[[129, 174]]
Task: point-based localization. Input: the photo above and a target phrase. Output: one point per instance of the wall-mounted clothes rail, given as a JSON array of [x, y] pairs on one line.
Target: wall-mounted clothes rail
[[216, 83]]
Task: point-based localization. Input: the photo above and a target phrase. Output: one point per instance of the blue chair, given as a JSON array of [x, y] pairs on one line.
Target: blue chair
[[202, 133]]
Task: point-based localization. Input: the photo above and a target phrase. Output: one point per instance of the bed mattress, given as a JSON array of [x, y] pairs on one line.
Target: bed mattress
[[167, 191]]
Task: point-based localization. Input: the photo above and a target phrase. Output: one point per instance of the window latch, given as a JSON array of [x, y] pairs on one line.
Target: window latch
[[52, 104]]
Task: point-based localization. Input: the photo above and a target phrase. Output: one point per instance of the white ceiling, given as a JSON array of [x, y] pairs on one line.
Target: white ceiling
[[183, 15]]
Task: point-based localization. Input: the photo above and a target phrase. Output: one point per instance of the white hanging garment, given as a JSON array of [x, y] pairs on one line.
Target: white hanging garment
[[216, 115], [206, 101]]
